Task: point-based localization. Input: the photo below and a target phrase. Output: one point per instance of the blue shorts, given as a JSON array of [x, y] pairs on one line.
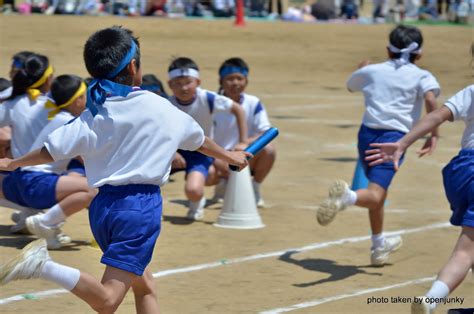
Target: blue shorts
[[195, 161], [76, 166], [384, 173], [126, 221], [458, 179], [31, 188]]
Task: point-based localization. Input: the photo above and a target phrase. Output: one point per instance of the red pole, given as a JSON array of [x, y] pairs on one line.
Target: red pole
[[239, 14]]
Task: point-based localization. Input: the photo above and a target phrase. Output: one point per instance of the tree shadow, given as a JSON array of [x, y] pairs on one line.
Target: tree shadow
[[340, 159], [346, 126], [336, 272]]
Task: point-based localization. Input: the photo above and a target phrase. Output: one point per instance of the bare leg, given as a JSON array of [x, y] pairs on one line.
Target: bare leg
[[263, 162], [73, 194], [373, 198], [145, 294], [194, 187]]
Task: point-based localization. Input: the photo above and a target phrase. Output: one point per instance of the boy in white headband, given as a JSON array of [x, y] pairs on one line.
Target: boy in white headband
[[202, 105], [394, 93]]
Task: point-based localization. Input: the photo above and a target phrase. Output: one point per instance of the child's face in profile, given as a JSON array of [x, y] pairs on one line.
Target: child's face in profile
[[234, 84], [184, 87]]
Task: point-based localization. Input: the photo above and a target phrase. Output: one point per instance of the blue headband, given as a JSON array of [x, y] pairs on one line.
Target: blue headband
[[17, 64], [227, 70], [100, 89]]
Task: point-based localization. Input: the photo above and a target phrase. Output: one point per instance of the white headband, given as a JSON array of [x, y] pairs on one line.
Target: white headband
[[4, 94], [183, 72], [405, 52]]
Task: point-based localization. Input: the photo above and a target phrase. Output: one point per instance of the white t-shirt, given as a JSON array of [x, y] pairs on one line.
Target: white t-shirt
[[57, 167], [393, 95], [462, 107], [226, 132], [26, 118], [203, 108], [132, 140]]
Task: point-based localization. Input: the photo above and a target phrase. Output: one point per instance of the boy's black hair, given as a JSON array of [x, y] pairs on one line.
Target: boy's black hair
[[64, 87], [4, 84], [21, 56], [234, 62], [105, 49], [183, 63], [33, 69], [152, 83], [402, 36]]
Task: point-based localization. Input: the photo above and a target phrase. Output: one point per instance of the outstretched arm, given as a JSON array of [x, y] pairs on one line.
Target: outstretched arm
[[239, 113], [384, 152], [430, 143], [236, 158], [36, 157]]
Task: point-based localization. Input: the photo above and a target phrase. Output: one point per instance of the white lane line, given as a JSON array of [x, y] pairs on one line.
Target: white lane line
[[314, 246], [346, 295]]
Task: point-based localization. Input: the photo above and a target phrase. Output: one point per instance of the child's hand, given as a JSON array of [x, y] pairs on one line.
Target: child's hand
[[178, 162], [429, 146], [240, 146], [239, 159], [363, 63], [6, 164], [384, 153]]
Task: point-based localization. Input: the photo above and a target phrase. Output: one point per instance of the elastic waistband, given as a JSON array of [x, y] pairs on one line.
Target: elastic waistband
[[466, 151], [378, 131], [129, 188]]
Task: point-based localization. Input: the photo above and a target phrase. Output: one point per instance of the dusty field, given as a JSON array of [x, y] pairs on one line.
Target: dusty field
[[299, 71]]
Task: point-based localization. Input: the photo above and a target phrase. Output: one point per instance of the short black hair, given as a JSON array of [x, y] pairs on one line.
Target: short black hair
[[21, 56], [182, 63], [152, 83], [4, 84], [105, 49], [234, 62], [64, 87], [402, 36], [34, 67]]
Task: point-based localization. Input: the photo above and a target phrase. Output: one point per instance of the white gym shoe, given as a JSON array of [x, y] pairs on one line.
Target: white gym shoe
[[19, 217], [52, 234], [219, 191], [337, 201], [28, 264], [196, 211], [379, 256], [420, 306]]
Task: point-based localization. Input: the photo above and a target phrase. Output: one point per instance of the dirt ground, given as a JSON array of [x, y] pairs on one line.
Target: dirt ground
[[293, 264]]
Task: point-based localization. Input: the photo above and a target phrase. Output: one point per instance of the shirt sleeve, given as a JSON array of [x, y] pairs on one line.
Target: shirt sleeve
[[358, 80], [75, 138], [261, 123], [222, 103], [461, 103], [429, 83], [192, 136]]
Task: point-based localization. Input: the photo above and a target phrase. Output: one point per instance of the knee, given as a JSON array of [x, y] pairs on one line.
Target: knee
[[270, 151], [106, 306], [145, 290], [91, 193], [193, 190]]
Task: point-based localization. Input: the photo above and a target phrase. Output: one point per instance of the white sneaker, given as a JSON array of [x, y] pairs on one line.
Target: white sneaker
[[196, 211], [28, 264], [53, 234], [219, 191], [337, 201], [19, 217], [379, 256], [420, 306]]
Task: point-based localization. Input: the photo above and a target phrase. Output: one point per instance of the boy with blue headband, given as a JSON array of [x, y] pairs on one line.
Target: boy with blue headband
[[233, 80], [202, 105], [127, 138], [394, 93]]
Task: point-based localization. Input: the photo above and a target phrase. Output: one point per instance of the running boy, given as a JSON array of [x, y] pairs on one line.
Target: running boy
[[233, 79], [127, 138], [394, 92], [458, 178], [202, 105]]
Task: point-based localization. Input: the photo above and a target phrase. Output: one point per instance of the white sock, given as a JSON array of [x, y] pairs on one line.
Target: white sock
[[350, 197], [65, 276], [197, 205], [377, 240], [53, 216], [438, 290], [256, 186]]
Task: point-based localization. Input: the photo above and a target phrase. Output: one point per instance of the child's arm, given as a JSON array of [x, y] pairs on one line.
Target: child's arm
[[385, 152], [430, 143], [36, 157], [239, 113], [236, 158]]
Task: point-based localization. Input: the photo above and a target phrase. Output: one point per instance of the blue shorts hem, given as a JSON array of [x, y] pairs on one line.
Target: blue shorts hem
[[123, 266]]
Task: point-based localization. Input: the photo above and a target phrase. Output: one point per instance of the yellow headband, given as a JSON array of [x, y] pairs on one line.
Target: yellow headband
[[33, 90], [57, 108]]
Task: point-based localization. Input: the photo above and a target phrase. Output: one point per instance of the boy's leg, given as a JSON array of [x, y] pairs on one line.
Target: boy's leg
[[452, 273], [261, 165], [194, 190], [144, 290]]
